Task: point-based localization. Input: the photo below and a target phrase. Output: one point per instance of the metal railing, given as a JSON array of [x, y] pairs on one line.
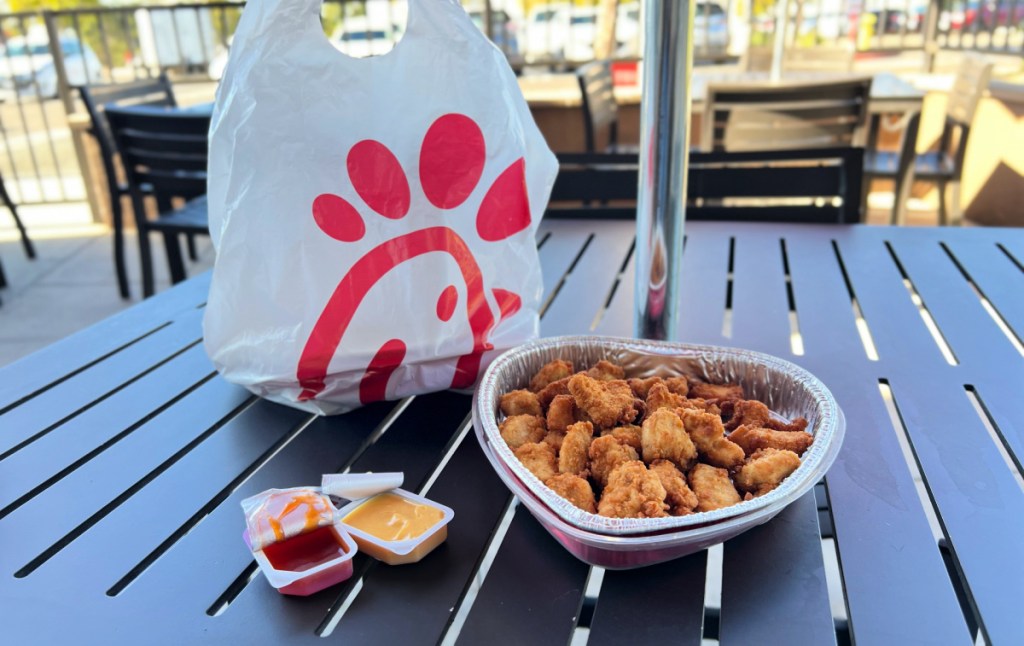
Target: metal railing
[[992, 26], [45, 54]]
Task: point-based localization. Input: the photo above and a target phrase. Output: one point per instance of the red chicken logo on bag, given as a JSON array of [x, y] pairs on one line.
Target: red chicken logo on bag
[[451, 163]]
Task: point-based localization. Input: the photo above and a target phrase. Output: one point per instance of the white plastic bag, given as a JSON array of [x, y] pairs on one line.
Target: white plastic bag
[[374, 219]]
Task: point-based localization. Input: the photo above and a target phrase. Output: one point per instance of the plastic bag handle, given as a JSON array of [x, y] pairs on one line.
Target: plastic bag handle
[[300, 19]]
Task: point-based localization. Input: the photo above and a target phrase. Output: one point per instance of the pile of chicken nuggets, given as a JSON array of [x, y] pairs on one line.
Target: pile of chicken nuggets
[[647, 448]]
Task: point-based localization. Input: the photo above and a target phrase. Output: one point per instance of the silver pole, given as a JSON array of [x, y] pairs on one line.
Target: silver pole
[[664, 151], [779, 42]]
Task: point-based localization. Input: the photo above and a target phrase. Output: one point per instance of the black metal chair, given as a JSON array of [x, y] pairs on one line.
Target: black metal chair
[[819, 186], [944, 166], [148, 92], [600, 111], [26, 243], [164, 155], [785, 117]]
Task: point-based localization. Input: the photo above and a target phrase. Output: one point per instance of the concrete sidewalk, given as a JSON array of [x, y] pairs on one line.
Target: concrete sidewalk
[[71, 284]]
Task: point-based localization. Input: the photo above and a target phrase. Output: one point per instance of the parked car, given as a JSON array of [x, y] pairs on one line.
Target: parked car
[[560, 32], [710, 30], [358, 37], [27, 64], [504, 30]]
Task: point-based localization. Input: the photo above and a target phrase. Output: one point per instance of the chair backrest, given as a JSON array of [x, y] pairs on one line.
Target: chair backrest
[[151, 92], [785, 117], [820, 58], [969, 87], [165, 151], [820, 186], [600, 111]]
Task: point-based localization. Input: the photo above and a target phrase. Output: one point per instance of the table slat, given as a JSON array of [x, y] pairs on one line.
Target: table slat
[[703, 281], [760, 309], [107, 552], [429, 593], [413, 444], [760, 564], [558, 252], [92, 385], [999, 280], [674, 589], [102, 480], [67, 445], [527, 605], [586, 288], [900, 335], [980, 503], [51, 364], [974, 337], [196, 570], [882, 536]]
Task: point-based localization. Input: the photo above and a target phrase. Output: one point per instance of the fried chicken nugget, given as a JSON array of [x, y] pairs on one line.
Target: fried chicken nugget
[[681, 500], [561, 413], [522, 429], [751, 438], [552, 390], [607, 403], [606, 453], [606, 371], [629, 434], [705, 405], [520, 402], [663, 437], [574, 489], [712, 487], [708, 435], [550, 372], [641, 387], [539, 458], [714, 391], [573, 456], [678, 385], [764, 470], [659, 396], [750, 412], [554, 439], [633, 492]]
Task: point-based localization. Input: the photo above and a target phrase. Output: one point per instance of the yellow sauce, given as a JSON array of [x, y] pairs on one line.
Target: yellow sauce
[[391, 517]]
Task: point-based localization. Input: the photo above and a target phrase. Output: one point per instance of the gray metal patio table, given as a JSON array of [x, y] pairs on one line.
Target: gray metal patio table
[[123, 457]]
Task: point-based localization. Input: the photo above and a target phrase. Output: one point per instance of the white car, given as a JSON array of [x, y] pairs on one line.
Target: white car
[[359, 38], [27, 64], [710, 30], [560, 32]]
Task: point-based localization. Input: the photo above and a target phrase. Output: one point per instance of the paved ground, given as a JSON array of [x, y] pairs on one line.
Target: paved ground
[[71, 284]]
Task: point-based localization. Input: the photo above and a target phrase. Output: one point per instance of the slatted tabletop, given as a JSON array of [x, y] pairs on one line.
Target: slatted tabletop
[[123, 458]]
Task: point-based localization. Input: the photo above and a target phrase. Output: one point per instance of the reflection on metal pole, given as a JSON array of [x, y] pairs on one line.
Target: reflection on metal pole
[[779, 43], [664, 149]]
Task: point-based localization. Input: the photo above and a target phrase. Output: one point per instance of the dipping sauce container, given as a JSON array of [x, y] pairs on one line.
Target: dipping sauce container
[[397, 526], [301, 548]]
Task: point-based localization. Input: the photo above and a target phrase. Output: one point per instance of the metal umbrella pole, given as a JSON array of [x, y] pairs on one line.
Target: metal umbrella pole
[[779, 41], [664, 152]]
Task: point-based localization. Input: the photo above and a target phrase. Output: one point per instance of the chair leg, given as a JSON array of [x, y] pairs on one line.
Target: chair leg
[[174, 260], [955, 214], [3, 277], [145, 252], [117, 222], [943, 210], [193, 255], [30, 251]]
